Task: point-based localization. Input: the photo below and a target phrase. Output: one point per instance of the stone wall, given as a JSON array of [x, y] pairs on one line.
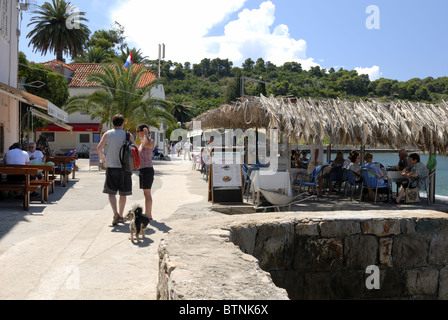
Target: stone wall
[[323, 258]]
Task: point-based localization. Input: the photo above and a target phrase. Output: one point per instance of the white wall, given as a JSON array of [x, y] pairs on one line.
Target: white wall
[[9, 107]]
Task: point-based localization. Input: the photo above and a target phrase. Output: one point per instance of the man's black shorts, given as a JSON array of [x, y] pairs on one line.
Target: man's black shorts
[[117, 180], [146, 178]]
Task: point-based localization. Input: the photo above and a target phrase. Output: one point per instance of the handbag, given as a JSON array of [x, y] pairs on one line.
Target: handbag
[[412, 195]]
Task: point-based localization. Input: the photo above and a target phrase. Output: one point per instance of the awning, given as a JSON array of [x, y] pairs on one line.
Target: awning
[[23, 96], [58, 123], [76, 127]]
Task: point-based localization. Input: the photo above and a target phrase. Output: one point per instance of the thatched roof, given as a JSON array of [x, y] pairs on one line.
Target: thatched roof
[[393, 124]]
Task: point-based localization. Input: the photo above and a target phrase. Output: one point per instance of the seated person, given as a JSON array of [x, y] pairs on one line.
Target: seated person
[[354, 166], [375, 167], [36, 156], [157, 153], [16, 155], [303, 161], [417, 171], [339, 160], [403, 162]]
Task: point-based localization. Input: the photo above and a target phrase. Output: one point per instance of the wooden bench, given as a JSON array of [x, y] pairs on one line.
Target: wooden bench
[[24, 186], [45, 183], [63, 170]]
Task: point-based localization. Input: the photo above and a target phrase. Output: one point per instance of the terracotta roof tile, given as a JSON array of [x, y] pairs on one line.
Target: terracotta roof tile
[[81, 72]]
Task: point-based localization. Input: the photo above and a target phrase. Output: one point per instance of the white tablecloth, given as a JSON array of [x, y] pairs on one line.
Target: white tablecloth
[[271, 180]]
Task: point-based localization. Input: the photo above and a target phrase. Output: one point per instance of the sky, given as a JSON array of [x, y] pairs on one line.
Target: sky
[[393, 39]]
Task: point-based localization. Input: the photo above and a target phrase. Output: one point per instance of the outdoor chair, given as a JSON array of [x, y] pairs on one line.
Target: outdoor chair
[[196, 161], [314, 179], [427, 182], [371, 180], [337, 176], [247, 181], [351, 182]]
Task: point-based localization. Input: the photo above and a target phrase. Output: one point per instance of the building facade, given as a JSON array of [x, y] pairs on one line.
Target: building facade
[[9, 45]]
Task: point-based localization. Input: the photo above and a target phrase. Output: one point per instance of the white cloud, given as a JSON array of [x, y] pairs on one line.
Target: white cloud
[[373, 72], [183, 27]]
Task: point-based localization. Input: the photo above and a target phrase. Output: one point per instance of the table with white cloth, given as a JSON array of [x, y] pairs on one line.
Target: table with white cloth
[[278, 181], [397, 177]]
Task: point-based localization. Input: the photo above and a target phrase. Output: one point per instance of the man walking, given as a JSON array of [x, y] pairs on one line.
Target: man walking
[[117, 180], [187, 146]]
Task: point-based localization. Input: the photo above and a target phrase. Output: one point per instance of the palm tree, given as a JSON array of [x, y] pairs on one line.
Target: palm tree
[[58, 29], [181, 111], [120, 95], [94, 55]]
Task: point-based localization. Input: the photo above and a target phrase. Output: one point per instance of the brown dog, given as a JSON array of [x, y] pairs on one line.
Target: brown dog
[[139, 222]]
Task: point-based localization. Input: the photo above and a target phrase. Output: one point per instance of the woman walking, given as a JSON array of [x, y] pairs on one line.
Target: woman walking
[[146, 168]]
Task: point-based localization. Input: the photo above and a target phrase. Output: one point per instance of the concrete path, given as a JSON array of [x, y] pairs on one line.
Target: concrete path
[[68, 248]]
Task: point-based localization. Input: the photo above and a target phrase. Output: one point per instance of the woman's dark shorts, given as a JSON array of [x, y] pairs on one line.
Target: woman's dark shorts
[[146, 178], [117, 180]]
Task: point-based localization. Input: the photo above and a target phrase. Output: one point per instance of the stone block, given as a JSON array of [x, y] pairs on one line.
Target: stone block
[[318, 254], [407, 226], [443, 284], [244, 237], [381, 227], [427, 226], [410, 251], [347, 284], [422, 281], [274, 245], [385, 251], [360, 251], [339, 228], [438, 250], [307, 229]]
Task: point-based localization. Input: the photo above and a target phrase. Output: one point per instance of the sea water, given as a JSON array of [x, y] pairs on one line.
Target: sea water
[[391, 159]]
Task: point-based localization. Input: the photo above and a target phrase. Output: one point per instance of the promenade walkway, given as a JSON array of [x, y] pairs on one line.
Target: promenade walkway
[[68, 248]]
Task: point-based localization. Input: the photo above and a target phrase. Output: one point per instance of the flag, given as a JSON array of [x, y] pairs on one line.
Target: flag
[[129, 61]]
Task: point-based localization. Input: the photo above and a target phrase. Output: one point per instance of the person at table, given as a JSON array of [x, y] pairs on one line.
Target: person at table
[[355, 166], [303, 161], [316, 159], [16, 155], [375, 167], [348, 160], [417, 173], [382, 175], [36, 156], [403, 162]]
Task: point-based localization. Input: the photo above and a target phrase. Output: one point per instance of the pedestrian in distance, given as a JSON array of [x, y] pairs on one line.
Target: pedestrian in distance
[[146, 176], [187, 148], [117, 180]]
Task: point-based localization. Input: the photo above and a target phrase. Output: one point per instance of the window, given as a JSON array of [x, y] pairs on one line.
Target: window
[[4, 26], [84, 138]]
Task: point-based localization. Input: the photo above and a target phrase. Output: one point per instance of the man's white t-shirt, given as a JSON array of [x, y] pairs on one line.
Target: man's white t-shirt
[[38, 155], [17, 156]]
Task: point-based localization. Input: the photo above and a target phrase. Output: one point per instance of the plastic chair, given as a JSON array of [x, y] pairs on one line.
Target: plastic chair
[[351, 182], [314, 179], [196, 161], [372, 180]]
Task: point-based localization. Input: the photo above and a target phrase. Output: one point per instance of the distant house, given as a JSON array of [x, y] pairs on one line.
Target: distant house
[[86, 132]]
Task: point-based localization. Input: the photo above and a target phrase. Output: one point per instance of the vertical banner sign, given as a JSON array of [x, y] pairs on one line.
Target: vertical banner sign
[[226, 182]]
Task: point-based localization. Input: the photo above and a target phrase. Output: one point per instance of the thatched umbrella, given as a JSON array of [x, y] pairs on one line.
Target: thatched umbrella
[[394, 124]]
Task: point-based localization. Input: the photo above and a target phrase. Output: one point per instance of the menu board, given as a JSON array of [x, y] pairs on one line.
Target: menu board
[[226, 183]]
